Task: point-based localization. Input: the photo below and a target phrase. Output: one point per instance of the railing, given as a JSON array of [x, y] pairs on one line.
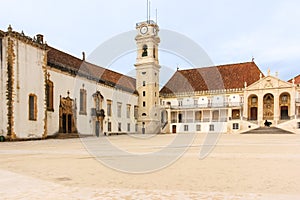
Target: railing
[[164, 125], [210, 105], [223, 119]]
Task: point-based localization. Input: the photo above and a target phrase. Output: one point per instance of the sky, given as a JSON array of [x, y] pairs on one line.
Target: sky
[[229, 31]]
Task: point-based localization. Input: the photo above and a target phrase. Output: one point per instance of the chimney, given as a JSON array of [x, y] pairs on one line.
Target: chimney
[[40, 38], [83, 56]]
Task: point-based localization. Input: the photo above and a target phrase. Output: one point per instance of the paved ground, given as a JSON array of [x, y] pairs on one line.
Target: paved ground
[[239, 167]]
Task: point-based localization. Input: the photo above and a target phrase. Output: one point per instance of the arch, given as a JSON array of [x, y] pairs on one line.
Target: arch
[[252, 107], [268, 106], [284, 105], [215, 115], [145, 50]]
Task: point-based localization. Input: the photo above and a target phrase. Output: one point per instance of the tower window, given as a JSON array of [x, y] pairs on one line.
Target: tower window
[[144, 93], [144, 103], [145, 52], [153, 51], [144, 83]]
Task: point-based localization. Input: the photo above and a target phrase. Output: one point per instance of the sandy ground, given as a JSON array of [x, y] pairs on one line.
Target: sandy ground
[[239, 167]]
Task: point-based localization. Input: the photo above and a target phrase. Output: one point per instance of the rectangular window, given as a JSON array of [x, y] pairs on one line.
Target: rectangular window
[[128, 111], [298, 124], [109, 103], [82, 106], [144, 83], [144, 93], [109, 126], [198, 127], [49, 95], [180, 103], [136, 112], [32, 107], [119, 109], [119, 127], [128, 127], [144, 103], [211, 127], [235, 126], [195, 102], [186, 127]]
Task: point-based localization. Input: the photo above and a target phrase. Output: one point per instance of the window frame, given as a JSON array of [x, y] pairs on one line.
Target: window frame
[[32, 107]]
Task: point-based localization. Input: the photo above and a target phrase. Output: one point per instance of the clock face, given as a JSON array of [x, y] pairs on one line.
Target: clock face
[[144, 29]]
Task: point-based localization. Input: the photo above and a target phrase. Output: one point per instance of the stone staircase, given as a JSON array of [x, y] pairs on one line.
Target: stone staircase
[[67, 136], [267, 130]]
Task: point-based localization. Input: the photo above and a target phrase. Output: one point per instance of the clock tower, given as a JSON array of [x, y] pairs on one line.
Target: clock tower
[[147, 77]]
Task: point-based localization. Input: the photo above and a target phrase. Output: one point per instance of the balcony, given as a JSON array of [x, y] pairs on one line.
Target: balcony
[[210, 105], [97, 112]]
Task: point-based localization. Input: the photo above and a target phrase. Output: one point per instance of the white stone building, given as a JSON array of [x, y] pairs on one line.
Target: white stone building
[[44, 92]]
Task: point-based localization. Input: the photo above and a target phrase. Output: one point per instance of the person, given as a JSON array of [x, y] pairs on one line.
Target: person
[[268, 124]]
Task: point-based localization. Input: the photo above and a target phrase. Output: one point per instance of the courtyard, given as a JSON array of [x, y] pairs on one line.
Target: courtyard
[[250, 166]]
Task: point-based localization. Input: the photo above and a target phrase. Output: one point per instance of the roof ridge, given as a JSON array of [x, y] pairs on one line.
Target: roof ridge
[[222, 65]]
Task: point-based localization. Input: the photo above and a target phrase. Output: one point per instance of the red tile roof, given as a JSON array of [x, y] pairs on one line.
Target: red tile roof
[[229, 76], [76, 66], [297, 80]]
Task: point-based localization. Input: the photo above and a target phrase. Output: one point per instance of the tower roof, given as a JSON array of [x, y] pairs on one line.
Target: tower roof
[[230, 76]]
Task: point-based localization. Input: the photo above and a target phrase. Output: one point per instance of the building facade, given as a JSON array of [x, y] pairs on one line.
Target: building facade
[[44, 92]]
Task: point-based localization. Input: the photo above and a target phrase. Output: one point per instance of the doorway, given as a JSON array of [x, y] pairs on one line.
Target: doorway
[[174, 129], [253, 113], [284, 112], [67, 119]]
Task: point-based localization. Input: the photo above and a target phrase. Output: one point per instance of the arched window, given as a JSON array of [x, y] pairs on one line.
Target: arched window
[[82, 103], [145, 52], [32, 107], [49, 95]]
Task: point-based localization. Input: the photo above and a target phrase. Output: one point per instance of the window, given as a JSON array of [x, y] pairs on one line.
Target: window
[[144, 103], [136, 127], [198, 127], [145, 52], [109, 126], [32, 104], [82, 106], [144, 93], [128, 111], [254, 100], [119, 109], [155, 94], [298, 124], [119, 127], [211, 127], [180, 103], [144, 114], [235, 126], [109, 103], [195, 102], [143, 73], [144, 83], [186, 127], [49, 95], [136, 108], [128, 127]]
